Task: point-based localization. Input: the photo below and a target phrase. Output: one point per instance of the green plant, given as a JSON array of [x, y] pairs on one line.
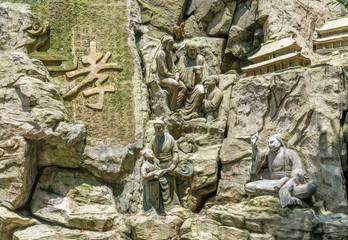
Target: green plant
[[338, 3]]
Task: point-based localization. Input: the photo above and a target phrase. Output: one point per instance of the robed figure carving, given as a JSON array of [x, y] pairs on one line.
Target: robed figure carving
[[152, 173], [192, 68], [285, 172], [168, 74], [213, 98], [166, 151]]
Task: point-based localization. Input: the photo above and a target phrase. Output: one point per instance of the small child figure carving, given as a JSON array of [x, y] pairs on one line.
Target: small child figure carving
[[152, 174]]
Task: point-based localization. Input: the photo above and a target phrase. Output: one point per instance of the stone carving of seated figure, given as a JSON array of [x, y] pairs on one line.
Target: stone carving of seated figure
[[286, 172], [167, 72], [192, 68], [213, 98]]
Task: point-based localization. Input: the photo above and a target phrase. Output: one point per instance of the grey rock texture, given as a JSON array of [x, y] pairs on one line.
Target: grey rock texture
[[9, 221], [110, 160], [52, 151], [42, 231], [241, 36], [307, 111], [155, 227], [31, 107], [74, 199], [13, 19], [92, 189], [33, 114], [162, 16], [221, 23]]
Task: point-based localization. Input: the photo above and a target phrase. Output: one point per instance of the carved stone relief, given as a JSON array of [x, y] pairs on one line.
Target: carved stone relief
[[97, 62], [38, 35], [279, 170]]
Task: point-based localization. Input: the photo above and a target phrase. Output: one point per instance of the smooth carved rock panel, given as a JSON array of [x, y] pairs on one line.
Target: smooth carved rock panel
[[306, 105]]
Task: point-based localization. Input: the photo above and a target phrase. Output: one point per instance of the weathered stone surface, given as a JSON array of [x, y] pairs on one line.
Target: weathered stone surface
[[74, 199], [13, 20], [194, 28], [296, 103], [205, 172], [263, 214], [111, 160], [31, 107], [334, 226], [28, 89], [233, 177], [259, 236], [148, 48], [301, 224], [241, 35], [162, 16], [9, 221], [201, 228], [201, 13], [221, 23], [41, 232], [155, 227], [17, 174], [53, 150]]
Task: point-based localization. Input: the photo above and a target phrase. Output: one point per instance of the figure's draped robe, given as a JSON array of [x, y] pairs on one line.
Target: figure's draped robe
[[212, 103], [193, 83], [166, 151], [285, 175], [151, 190]]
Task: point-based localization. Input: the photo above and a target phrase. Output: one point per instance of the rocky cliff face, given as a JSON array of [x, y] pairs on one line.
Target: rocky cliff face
[[60, 179]]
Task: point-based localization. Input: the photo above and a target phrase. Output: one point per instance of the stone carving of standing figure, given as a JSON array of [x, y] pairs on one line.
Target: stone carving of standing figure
[[151, 173], [167, 71], [212, 99], [192, 68], [166, 151], [285, 172]]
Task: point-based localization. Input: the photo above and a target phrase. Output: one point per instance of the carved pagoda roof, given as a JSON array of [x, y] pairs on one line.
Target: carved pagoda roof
[[333, 25], [275, 47], [272, 61], [331, 38]]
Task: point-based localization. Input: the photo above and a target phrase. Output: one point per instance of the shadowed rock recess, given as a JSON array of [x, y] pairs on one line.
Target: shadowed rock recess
[[243, 93]]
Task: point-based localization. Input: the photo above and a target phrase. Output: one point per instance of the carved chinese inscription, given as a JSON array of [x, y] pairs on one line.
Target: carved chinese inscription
[[93, 71], [38, 35]]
